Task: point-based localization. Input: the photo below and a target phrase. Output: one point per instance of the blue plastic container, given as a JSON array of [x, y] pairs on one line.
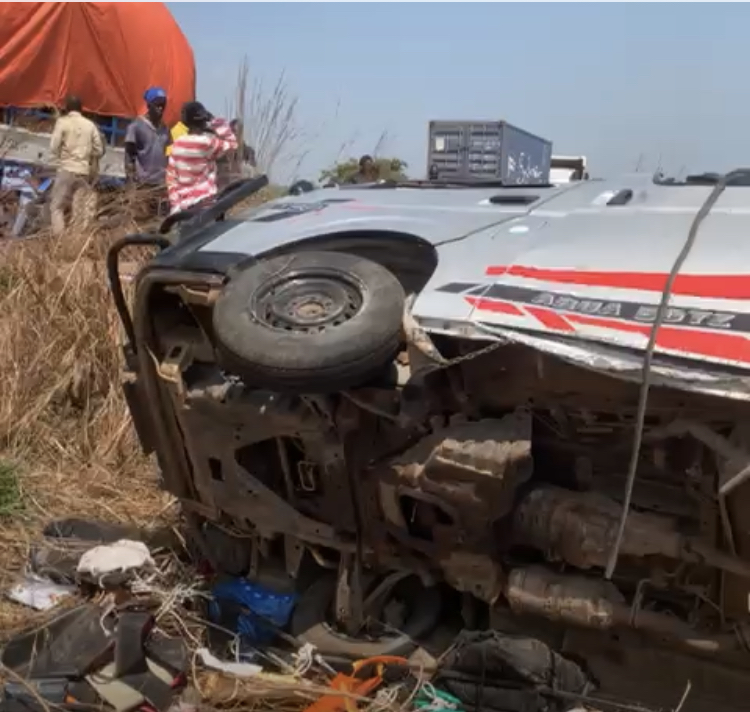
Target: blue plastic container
[[274, 607]]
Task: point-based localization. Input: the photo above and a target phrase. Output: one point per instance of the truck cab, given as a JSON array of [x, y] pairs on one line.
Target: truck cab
[[567, 169]]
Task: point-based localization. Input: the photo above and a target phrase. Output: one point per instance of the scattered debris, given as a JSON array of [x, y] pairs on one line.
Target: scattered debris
[[165, 638], [58, 555], [39, 593], [119, 557], [434, 700], [238, 669], [515, 658], [251, 610], [92, 531]]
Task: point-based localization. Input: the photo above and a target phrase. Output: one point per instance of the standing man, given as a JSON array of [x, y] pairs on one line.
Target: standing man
[[246, 158], [367, 173], [146, 142], [76, 146], [179, 129], [239, 163], [192, 172]]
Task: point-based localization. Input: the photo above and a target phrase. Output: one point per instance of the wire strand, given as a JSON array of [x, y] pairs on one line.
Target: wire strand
[[700, 216]]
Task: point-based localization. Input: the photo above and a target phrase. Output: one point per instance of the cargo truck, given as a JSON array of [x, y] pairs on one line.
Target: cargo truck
[[487, 150]]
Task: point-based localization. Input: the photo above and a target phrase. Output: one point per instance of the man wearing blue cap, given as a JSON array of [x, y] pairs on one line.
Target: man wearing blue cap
[[146, 142]]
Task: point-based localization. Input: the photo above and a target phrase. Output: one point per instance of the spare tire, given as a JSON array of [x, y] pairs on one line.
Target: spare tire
[[314, 609], [309, 322]]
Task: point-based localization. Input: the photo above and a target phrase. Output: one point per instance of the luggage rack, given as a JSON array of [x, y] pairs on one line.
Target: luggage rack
[[447, 183]]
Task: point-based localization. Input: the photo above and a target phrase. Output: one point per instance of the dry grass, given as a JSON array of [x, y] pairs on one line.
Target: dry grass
[[269, 115], [66, 444], [67, 447]]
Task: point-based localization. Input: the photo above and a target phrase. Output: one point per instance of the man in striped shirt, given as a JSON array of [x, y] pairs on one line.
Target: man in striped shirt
[[192, 171]]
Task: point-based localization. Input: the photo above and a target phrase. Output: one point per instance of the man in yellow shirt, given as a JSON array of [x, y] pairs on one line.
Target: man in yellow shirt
[[179, 129], [76, 145]]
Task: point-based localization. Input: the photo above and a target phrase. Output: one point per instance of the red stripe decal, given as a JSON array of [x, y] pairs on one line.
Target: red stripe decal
[[712, 345], [494, 305], [720, 286], [731, 347], [550, 319]]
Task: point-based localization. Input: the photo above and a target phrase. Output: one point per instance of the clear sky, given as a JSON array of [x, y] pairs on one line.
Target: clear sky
[[625, 84]]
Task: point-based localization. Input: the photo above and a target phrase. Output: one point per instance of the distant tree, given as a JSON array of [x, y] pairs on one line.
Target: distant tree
[[341, 172]]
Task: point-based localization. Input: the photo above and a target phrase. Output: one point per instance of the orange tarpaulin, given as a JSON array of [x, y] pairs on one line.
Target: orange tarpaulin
[[107, 53]]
